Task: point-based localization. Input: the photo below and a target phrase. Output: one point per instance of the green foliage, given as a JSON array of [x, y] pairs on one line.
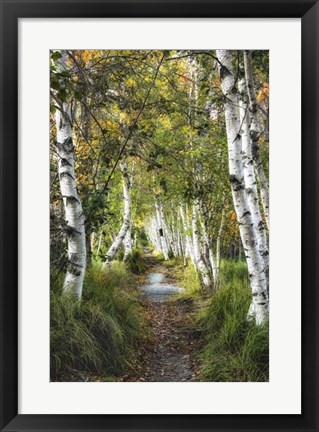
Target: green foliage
[[98, 335], [61, 82], [234, 349], [55, 55], [142, 239]]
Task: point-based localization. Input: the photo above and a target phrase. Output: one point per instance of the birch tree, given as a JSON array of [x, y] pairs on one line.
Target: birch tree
[[209, 245], [255, 134], [258, 282], [74, 217], [250, 179], [126, 215], [189, 248], [199, 260], [161, 230], [218, 242], [127, 243]]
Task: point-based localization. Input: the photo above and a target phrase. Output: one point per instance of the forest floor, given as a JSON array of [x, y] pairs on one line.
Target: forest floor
[[169, 354]]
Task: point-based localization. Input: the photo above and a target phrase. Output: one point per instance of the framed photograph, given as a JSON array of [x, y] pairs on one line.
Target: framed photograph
[[159, 182]]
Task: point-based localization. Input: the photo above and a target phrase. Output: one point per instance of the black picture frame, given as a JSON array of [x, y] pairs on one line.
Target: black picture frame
[[11, 11]]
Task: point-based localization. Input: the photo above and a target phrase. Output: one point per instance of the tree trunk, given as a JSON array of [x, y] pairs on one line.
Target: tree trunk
[[99, 244], [166, 231], [218, 242], [255, 133], [189, 250], [173, 235], [74, 217], [181, 250], [160, 229], [88, 235], [127, 243], [209, 245], [126, 215], [199, 260], [258, 282], [153, 234], [250, 180], [92, 242]]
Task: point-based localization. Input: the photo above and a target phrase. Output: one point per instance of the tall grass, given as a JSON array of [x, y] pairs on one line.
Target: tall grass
[[234, 272], [234, 349], [99, 334], [136, 262], [186, 276], [190, 281]]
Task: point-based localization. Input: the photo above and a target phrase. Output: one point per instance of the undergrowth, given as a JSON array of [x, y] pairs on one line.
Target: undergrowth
[[233, 349], [136, 262], [186, 277], [99, 334]]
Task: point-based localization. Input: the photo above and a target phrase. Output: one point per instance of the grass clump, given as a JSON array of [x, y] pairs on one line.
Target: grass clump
[[72, 345], [234, 272], [190, 281], [186, 276], [234, 349], [136, 262], [98, 335]]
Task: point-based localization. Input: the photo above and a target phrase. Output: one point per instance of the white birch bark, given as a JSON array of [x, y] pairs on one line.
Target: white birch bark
[[180, 244], [126, 215], [189, 250], [153, 234], [167, 232], [209, 245], [99, 244], [74, 217], [156, 236], [218, 242], [173, 235], [258, 282], [180, 248], [174, 242], [127, 243], [250, 180], [255, 133], [199, 248], [92, 240], [199, 260], [161, 232]]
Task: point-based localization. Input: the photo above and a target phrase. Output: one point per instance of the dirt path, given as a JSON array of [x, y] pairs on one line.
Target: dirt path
[[169, 355]]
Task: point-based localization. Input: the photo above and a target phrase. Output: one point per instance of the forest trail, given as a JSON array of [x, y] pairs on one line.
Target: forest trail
[[170, 351], [163, 151]]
